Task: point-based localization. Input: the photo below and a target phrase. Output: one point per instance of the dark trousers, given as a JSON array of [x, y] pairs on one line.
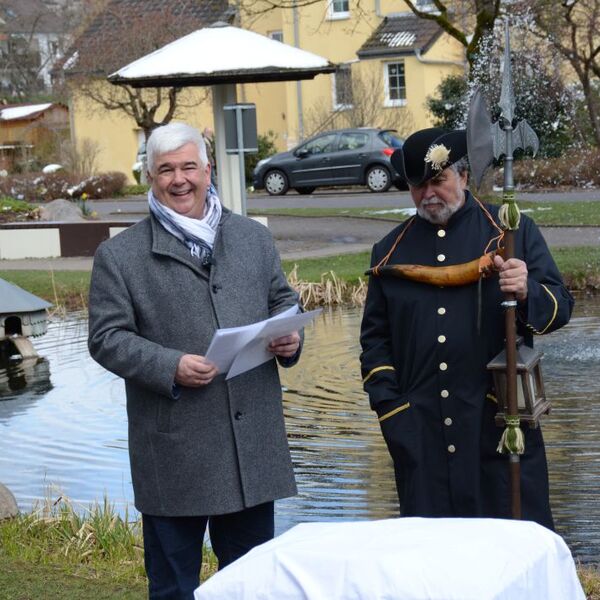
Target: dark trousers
[[173, 546]]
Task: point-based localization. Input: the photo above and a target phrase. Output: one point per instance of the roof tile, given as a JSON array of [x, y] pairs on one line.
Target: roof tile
[[400, 34]]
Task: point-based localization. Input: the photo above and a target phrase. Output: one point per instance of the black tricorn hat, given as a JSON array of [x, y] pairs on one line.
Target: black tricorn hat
[[427, 152]]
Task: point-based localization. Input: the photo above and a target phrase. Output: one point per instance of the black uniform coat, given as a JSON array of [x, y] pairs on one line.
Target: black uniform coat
[[424, 368], [207, 450]]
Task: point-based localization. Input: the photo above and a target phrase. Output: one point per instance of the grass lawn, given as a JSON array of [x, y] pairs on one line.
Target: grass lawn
[[543, 213], [24, 580], [69, 289]]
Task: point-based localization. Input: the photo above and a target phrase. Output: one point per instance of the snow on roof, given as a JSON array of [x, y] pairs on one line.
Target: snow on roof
[[22, 112], [14, 299], [218, 49]]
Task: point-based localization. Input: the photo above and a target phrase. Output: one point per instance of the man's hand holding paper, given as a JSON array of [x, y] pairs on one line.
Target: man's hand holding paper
[[239, 349], [285, 346]]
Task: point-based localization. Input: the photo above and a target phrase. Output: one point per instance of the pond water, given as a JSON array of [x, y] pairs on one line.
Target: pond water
[[65, 431]]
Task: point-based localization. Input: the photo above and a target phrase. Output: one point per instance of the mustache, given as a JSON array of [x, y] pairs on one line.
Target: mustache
[[434, 200]]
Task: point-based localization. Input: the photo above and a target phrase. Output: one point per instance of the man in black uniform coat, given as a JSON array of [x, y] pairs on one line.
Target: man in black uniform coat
[[425, 348]]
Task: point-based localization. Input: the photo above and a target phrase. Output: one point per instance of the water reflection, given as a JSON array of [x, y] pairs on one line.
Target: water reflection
[[74, 433]]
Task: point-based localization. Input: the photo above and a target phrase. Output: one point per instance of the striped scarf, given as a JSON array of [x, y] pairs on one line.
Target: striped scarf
[[197, 234]]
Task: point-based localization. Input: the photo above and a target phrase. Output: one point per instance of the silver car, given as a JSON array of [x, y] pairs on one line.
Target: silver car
[[333, 158]]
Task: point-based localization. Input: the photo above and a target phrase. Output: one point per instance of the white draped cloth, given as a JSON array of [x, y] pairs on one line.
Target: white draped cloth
[[403, 559]]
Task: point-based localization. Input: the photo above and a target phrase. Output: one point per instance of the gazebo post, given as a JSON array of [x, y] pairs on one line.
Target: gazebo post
[[228, 169]]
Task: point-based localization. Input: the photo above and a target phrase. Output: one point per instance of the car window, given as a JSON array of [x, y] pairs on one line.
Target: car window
[[319, 145], [353, 141], [390, 139]]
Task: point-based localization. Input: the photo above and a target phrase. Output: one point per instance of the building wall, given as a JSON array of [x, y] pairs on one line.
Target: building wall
[[116, 135], [338, 40], [34, 131], [278, 106]]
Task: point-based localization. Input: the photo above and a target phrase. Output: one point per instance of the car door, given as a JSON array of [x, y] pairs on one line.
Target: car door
[[312, 164], [347, 162]]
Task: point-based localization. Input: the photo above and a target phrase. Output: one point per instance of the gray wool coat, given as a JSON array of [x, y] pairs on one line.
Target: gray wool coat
[[210, 450]]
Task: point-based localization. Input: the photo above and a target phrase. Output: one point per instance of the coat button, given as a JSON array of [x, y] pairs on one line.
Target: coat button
[[443, 366], [441, 257], [441, 310], [237, 416], [441, 233], [448, 421], [452, 448], [441, 339], [444, 393], [215, 288]]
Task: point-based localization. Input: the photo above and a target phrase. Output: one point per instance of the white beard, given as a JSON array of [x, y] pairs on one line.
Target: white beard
[[440, 217]]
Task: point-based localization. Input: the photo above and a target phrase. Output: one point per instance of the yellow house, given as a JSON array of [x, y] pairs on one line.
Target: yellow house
[[389, 62]]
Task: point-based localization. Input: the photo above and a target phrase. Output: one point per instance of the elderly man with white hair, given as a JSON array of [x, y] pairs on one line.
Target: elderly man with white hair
[[204, 451]]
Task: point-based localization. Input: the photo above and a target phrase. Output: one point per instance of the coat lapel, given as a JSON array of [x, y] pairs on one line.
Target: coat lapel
[[167, 244]]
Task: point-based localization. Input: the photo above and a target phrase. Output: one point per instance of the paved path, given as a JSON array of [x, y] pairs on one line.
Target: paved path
[[306, 237], [135, 207]]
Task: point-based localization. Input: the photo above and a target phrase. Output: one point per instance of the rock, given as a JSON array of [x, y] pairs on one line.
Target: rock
[[61, 210], [8, 504]]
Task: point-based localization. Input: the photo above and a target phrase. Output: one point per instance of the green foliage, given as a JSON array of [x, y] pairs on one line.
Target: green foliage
[[448, 107], [266, 148], [65, 552], [139, 189], [11, 204]]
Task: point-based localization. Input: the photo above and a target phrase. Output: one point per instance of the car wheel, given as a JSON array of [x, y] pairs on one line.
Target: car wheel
[[378, 179], [276, 183], [305, 190]]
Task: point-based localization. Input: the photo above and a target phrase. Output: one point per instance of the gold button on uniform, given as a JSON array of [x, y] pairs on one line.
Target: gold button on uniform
[[443, 366], [444, 393], [441, 310], [448, 421], [452, 448], [441, 339], [441, 233], [441, 258]]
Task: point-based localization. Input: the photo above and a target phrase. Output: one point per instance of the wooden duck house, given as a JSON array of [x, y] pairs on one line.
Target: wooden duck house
[[22, 315]]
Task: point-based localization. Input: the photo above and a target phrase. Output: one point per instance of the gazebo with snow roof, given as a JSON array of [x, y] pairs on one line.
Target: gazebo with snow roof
[[222, 56]]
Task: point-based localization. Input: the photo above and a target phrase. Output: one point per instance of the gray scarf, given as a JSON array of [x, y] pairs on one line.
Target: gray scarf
[[197, 234]]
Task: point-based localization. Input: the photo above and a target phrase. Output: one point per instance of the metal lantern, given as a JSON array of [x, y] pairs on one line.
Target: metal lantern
[[531, 397]]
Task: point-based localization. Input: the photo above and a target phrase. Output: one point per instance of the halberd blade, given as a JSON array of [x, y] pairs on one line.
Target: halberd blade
[[480, 146], [524, 137]]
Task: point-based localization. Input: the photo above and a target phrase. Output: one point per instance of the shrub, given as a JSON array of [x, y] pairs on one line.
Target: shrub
[[266, 148], [39, 187], [578, 169]]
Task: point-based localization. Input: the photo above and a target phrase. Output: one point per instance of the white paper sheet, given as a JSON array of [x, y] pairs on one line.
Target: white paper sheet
[[238, 349]]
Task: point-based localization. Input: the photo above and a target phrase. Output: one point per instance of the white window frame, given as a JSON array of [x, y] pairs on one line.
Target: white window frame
[[337, 105], [276, 35], [334, 15], [389, 101]]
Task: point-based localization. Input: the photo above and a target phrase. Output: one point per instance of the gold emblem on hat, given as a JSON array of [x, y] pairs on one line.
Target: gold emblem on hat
[[438, 155]]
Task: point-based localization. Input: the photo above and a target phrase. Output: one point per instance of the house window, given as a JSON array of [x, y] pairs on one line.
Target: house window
[[339, 9], [276, 35], [342, 87], [395, 84]]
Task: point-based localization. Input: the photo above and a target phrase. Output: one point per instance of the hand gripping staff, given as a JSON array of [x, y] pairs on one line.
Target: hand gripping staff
[[487, 141]]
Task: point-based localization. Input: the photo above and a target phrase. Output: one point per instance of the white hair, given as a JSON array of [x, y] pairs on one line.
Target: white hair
[[173, 136], [460, 166]]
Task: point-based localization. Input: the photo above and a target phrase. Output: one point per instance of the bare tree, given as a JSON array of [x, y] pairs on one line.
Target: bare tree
[[571, 27], [468, 21], [128, 35], [31, 42]]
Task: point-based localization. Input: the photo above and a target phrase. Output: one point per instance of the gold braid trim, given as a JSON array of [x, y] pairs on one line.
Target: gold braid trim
[[376, 370]]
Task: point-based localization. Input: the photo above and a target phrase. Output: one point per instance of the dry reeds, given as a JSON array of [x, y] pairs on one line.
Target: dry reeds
[[330, 291]]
